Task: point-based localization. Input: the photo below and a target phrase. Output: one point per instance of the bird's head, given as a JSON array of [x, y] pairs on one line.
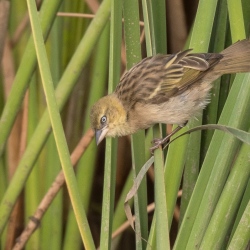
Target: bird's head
[[108, 118]]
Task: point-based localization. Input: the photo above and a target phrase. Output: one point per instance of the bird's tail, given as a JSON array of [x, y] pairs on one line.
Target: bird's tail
[[236, 58]]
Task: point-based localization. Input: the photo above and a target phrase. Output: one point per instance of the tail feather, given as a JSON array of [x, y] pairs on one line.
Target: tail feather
[[236, 58]]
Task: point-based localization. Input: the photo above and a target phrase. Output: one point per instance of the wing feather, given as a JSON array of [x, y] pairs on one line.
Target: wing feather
[[156, 79]]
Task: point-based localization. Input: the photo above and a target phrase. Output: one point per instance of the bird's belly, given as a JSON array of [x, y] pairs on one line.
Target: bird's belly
[[178, 109]]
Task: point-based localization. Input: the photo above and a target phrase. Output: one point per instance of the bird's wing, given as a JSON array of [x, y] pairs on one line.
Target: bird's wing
[[156, 79]]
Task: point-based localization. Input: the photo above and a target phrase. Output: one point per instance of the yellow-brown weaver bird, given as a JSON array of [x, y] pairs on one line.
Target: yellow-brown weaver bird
[[167, 89]]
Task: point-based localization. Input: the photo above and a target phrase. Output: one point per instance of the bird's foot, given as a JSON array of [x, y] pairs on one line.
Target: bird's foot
[[159, 142]]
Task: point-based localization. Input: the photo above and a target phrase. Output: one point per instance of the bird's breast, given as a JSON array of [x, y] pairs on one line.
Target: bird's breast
[[177, 110]]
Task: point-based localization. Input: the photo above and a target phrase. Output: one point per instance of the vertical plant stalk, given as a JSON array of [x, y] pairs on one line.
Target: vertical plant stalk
[[215, 168], [58, 128], [52, 221], [192, 166], [52, 192], [241, 236], [243, 204], [65, 86], [236, 20], [133, 54], [155, 26], [228, 204], [178, 151], [111, 144], [212, 178], [161, 215], [87, 165], [24, 73]]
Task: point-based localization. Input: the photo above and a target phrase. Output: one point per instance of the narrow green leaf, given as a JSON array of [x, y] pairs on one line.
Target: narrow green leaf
[[24, 73], [111, 144], [238, 133], [236, 20], [241, 236], [224, 214], [215, 167], [57, 127], [43, 129], [133, 56]]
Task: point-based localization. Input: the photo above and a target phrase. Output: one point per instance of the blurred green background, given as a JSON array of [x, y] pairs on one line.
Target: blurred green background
[[200, 184]]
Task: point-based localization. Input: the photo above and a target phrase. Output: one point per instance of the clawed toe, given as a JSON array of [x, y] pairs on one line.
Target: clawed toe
[[156, 140], [157, 143], [152, 149]]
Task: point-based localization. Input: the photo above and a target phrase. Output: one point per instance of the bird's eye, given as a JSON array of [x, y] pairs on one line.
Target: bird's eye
[[103, 119]]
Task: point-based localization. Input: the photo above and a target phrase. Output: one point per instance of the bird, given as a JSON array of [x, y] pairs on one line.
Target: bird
[[169, 89]]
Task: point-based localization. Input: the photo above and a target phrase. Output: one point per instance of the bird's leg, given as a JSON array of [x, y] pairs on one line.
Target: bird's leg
[[158, 142]]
